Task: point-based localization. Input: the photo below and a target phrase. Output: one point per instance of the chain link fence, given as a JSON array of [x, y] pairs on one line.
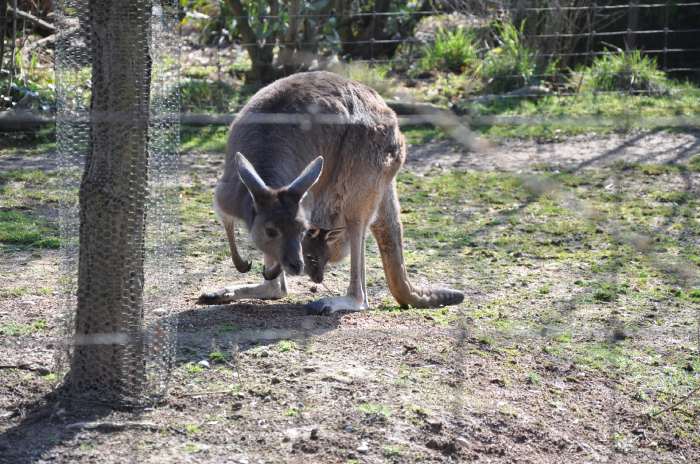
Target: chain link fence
[[467, 67]]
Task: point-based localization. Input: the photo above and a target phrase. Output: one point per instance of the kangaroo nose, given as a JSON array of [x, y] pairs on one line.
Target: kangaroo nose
[[295, 267]]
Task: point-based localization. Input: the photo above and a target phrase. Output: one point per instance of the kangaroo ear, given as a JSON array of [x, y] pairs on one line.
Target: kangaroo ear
[[307, 178], [256, 186], [334, 235]]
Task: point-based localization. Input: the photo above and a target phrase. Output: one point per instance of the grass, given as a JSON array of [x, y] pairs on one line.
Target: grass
[[511, 64], [202, 95], [373, 409], [15, 329], [218, 357], [626, 71], [22, 229], [540, 269], [14, 292], [284, 346], [419, 135], [374, 76], [203, 139], [193, 369], [28, 143], [558, 116]]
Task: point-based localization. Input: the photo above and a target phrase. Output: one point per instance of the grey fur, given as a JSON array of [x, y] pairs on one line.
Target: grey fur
[[281, 131]]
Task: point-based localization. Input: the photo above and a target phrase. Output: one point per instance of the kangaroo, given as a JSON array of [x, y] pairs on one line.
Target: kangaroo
[[316, 151], [320, 247]]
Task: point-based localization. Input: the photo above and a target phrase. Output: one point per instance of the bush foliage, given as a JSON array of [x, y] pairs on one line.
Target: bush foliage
[[453, 51], [624, 71], [511, 64]]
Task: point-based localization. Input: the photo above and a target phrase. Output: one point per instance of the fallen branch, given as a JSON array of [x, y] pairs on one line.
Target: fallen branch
[[677, 403], [205, 393], [40, 23], [107, 426], [27, 367]]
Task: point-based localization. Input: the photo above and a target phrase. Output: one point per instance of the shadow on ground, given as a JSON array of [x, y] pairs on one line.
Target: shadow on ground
[[53, 420]]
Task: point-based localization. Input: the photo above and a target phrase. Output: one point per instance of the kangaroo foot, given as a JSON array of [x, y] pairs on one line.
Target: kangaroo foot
[[268, 290], [336, 304]]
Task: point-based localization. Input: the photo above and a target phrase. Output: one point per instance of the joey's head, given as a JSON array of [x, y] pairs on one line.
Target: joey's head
[[322, 246], [279, 222]]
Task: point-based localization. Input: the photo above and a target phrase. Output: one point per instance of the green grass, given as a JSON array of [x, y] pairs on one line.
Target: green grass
[[31, 176], [623, 71], [284, 346], [192, 429], [28, 143], [556, 116], [22, 229], [193, 369], [201, 95], [14, 292], [392, 451], [210, 139], [511, 64], [15, 329], [373, 409], [218, 357], [374, 76], [418, 135]]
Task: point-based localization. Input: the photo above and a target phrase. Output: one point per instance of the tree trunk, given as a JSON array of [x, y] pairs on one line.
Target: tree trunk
[[108, 357]]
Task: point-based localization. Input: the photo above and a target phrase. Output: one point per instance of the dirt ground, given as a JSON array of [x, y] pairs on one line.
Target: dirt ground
[[485, 381]]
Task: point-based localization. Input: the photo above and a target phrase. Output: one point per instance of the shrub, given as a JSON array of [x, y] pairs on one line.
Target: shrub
[[510, 65], [624, 71], [453, 51]]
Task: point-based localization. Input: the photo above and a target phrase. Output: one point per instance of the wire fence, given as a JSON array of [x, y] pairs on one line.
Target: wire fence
[[445, 114]]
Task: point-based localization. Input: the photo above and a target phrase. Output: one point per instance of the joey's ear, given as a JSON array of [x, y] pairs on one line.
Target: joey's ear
[[256, 186], [307, 178], [334, 235]]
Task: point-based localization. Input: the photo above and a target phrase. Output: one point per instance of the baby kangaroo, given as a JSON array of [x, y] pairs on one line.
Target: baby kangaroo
[[313, 157]]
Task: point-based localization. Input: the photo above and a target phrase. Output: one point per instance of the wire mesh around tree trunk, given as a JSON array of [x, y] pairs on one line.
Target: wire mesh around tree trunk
[[117, 134]]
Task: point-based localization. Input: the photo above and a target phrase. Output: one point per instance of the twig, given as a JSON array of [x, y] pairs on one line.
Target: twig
[[113, 426], [205, 393], [40, 23], [678, 403], [27, 367]]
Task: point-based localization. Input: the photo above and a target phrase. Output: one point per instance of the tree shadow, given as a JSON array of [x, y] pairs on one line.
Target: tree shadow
[[54, 419], [244, 326], [46, 423]]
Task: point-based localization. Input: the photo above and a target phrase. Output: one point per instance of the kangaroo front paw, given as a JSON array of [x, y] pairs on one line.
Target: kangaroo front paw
[[335, 304], [214, 298], [269, 290]]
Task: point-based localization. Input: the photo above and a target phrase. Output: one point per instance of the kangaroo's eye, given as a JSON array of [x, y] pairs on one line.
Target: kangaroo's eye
[[270, 232]]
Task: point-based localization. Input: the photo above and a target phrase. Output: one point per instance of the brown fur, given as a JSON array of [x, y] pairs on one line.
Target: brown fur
[[280, 131]]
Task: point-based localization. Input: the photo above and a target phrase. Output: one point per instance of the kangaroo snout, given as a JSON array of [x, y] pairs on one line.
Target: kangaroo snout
[[293, 266]]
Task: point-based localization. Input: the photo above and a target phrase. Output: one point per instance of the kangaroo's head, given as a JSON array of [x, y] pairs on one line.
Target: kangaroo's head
[[322, 246], [279, 221]]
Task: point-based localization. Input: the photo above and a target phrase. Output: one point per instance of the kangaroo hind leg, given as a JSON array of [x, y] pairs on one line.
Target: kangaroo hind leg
[[388, 232]]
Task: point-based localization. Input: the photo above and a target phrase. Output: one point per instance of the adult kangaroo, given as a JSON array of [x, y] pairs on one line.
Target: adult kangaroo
[[317, 151]]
